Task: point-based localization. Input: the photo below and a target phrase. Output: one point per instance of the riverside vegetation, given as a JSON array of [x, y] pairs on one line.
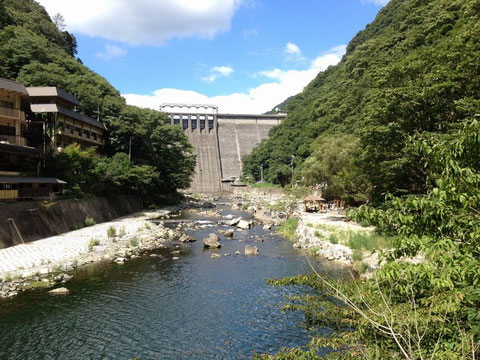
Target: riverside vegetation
[[36, 51], [394, 123]]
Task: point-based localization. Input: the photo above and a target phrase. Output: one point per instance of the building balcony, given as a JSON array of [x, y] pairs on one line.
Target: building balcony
[[9, 113]]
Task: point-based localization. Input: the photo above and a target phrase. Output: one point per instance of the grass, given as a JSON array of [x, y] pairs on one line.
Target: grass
[[93, 242], [313, 250], [360, 266], [197, 196], [111, 232], [134, 242], [89, 221], [289, 228], [265, 185], [147, 226], [361, 239], [122, 232], [357, 255]]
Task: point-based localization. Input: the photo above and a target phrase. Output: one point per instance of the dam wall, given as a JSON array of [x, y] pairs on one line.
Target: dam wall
[[207, 177], [238, 135], [24, 222], [221, 141]]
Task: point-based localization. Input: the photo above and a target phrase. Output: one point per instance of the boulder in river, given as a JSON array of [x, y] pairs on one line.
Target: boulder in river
[[208, 205], [215, 256], [251, 250], [243, 224], [228, 233], [267, 227], [59, 291], [234, 222], [186, 238], [211, 242]]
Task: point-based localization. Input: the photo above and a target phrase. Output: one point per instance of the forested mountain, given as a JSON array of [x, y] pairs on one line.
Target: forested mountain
[[415, 68], [37, 52]]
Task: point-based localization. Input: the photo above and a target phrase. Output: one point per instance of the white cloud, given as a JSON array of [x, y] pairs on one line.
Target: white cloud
[[292, 49], [111, 52], [250, 33], [254, 101], [217, 71], [376, 2], [145, 22]]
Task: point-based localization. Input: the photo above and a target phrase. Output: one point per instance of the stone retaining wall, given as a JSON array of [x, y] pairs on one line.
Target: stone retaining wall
[[29, 221]]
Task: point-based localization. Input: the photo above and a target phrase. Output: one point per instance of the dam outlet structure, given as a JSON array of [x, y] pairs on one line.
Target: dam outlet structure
[[220, 141]]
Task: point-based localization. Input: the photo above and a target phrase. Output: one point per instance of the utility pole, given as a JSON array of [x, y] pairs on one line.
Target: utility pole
[[291, 165], [130, 149]]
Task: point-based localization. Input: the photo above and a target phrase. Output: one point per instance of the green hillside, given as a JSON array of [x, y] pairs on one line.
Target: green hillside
[[415, 68], [37, 52]]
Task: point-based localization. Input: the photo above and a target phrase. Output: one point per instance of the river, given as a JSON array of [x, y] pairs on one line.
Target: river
[[159, 308]]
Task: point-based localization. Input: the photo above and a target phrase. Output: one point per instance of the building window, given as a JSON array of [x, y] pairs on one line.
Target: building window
[[86, 133], [210, 122], [94, 136], [6, 104], [61, 126], [176, 119], [202, 122], [193, 120], [185, 122], [7, 130], [79, 131]]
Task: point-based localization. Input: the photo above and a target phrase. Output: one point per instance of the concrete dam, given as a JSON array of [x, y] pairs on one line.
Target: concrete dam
[[221, 141]]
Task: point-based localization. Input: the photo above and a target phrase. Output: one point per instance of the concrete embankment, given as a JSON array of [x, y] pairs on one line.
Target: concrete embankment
[[25, 222], [118, 240]]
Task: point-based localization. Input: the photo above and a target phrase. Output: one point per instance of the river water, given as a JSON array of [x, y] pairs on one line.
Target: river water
[[159, 308]]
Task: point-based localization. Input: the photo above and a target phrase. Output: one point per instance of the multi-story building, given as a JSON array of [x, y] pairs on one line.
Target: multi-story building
[[64, 125], [15, 156], [17, 160]]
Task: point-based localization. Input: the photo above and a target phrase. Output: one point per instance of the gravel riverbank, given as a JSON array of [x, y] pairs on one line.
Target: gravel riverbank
[[45, 262]]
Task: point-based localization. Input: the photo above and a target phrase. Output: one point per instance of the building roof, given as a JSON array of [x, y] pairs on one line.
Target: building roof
[[16, 149], [13, 86], [313, 198], [55, 108], [5, 179], [52, 92]]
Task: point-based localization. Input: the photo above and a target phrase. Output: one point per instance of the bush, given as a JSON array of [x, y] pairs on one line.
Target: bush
[[134, 242], [289, 228], [122, 232], [111, 232], [89, 221], [93, 242]]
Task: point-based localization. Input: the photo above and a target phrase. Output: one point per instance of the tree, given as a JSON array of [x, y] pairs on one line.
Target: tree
[[59, 22]]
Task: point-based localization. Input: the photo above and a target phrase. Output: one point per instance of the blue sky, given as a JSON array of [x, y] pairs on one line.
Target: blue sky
[[243, 55]]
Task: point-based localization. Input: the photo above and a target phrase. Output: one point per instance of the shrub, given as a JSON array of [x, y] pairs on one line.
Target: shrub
[[89, 221], [122, 232], [134, 242], [333, 239], [111, 232], [93, 242], [289, 228], [357, 255]]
